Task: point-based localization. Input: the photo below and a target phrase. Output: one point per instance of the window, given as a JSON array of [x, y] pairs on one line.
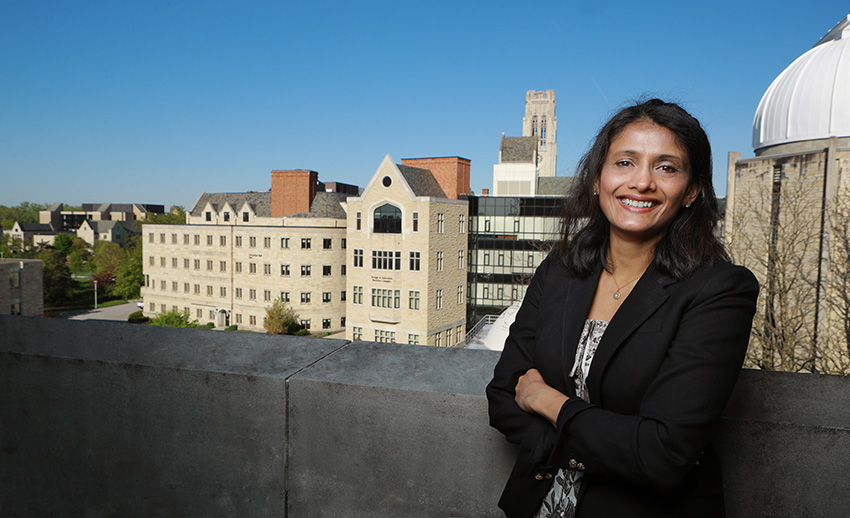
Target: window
[[461, 223], [252, 320], [284, 242], [305, 243], [162, 237], [440, 261], [152, 260], [500, 293], [342, 297], [500, 259], [199, 313], [222, 291], [150, 240], [516, 225], [252, 242], [342, 243], [284, 296], [226, 216], [358, 258], [327, 243], [245, 216], [238, 242], [197, 264], [416, 222], [357, 226], [252, 294], [209, 265], [386, 260], [209, 216], [357, 333], [186, 287], [460, 257], [384, 336], [267, 269], [415, 261], [222, 241], [305, 297], [252, 267], [238, 318], [185, 239], [284, 270], [305, 324], [460, 294], [342, 269], [238, 293], [209, 291], [439, 299], [267, 242], [196, 240], [326, 296], [162, 261], [326, 323], [413, 299], [389, 299], [222, 266], [486, 258], [197, 289], [358, 294], [486, 292], [387, 219], [342, 322], [441, 222], [238, 267], [449, 337], [173, 285], [173, 239], [186, 263], [305, 270], [267, 295], [326, 270], [209, 240], [413, 339], [486, 225], [459, 333], [438, 339], [530, 262]]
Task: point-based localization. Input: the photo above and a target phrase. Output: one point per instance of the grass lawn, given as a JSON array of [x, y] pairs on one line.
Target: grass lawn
[[84, 298]]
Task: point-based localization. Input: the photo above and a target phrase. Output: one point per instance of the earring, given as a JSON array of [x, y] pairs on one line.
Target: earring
[[688, 205], [595, 193]]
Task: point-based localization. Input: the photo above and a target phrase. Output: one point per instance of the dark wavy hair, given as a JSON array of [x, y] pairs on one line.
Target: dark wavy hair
[[689, 243]]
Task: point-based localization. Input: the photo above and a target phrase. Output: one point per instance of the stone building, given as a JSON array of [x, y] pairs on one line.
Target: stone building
[[788, 209], [540, 122], [21, 287], [118, 232], [238, 252], [407, 236], [62, 219]]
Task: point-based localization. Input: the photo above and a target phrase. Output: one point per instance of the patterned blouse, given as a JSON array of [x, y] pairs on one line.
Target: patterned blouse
[[561, 500]]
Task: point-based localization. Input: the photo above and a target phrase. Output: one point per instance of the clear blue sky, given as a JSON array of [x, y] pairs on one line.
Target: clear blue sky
[[156, 102]]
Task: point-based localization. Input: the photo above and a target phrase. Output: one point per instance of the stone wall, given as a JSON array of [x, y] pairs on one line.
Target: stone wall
[[106, 419]]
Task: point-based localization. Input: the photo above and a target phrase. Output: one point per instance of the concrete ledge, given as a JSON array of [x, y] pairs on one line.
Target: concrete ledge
[[104, 419]]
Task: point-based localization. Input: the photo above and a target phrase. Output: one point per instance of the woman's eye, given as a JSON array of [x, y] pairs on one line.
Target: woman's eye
[[622, 163], [668, 168]]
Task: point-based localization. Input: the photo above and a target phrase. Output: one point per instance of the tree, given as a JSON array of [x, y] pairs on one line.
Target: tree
[[107, 256], [280, 318], [176, 216], [26, 212], [64, 243], [59, 286], [129, 275], [174, 319]]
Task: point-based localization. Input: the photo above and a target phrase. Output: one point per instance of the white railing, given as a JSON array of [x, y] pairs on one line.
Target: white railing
[[486, 319]]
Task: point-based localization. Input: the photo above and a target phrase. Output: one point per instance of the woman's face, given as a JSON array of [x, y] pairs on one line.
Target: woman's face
[[644, 182]]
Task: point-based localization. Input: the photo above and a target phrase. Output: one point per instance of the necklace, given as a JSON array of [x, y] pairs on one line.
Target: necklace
[[617, 293]]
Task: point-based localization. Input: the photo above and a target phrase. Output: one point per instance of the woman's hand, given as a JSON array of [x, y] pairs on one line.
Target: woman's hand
[[534, 396]]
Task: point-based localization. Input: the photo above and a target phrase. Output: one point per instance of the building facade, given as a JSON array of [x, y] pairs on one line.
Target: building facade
[[540, 122], [67, 220], [407, 253], [118, 232], [238, 252], [21, 289], [787, 212]]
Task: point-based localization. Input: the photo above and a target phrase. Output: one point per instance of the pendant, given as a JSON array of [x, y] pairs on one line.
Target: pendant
[[617, 295]]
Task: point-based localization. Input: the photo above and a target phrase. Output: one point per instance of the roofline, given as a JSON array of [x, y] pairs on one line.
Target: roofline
[[433, 157]]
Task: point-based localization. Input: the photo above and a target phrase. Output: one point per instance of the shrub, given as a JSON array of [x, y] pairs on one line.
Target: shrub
[[280, 317], [173, 319], [234, 327], [138, 317], [302, 332]]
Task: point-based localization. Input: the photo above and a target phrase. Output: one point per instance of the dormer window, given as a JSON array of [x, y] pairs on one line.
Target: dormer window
[[387, 219], [226, 216], [245, 216], [209, 216]]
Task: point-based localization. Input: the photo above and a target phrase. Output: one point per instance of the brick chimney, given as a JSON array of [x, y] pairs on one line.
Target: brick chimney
[[451, 172], [485, 192], [293, 191]]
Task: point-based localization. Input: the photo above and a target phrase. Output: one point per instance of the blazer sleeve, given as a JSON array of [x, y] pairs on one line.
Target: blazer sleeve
[[533, 433], [678, 412]]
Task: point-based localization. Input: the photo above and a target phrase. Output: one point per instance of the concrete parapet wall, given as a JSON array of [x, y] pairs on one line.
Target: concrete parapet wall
[[105, 419]]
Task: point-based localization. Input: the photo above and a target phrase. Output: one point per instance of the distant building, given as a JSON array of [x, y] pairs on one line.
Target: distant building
[[21, 287], [540, 122], [787, 210], [34, 234], [93, 231], [62, 219]]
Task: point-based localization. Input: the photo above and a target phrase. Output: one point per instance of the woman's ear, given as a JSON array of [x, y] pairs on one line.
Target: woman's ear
[[692, 194]]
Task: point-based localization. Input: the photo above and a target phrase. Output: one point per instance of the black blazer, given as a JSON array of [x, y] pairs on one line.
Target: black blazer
[[660, 378]]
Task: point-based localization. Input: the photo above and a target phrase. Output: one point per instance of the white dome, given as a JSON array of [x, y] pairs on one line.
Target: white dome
[[811, 98]]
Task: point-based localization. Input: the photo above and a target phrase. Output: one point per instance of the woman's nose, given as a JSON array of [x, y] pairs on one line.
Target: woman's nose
[[642, 179]]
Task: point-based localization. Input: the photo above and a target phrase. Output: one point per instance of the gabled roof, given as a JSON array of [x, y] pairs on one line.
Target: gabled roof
[[325, 205], [261, 202], [421, 181], [554, 185], [42, 228], [518, 149]]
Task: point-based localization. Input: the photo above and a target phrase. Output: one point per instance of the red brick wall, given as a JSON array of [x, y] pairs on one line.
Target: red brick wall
[[292, 191], [451, 172]]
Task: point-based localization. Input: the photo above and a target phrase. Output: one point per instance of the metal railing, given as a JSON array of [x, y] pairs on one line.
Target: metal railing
[[486, 319]]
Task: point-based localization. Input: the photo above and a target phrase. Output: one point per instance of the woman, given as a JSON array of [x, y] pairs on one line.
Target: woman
[[631, 336]]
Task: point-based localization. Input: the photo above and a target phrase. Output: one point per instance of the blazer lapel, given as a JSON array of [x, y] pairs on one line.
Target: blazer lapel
[[577, 301], [648, 294]]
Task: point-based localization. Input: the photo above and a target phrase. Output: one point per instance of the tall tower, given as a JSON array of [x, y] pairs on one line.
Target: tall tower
[[540, 121]]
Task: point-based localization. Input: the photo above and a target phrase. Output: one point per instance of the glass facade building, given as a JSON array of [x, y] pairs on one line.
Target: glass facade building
[[508, 238]]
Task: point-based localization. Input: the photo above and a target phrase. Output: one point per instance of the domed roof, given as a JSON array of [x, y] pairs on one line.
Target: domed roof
[[811, 98]]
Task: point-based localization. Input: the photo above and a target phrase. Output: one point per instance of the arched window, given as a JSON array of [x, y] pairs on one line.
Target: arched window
[[387, 219], [534, 126], [543, 130]]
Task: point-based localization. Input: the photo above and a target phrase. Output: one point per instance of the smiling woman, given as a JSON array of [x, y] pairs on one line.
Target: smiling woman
[[630, 337]]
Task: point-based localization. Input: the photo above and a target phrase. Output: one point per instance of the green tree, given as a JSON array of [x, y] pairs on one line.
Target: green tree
[[64, 243], [129, 276], [174, 319], [26, 212], [280, 318], [59, 287], [176, 216], [107, 256]]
